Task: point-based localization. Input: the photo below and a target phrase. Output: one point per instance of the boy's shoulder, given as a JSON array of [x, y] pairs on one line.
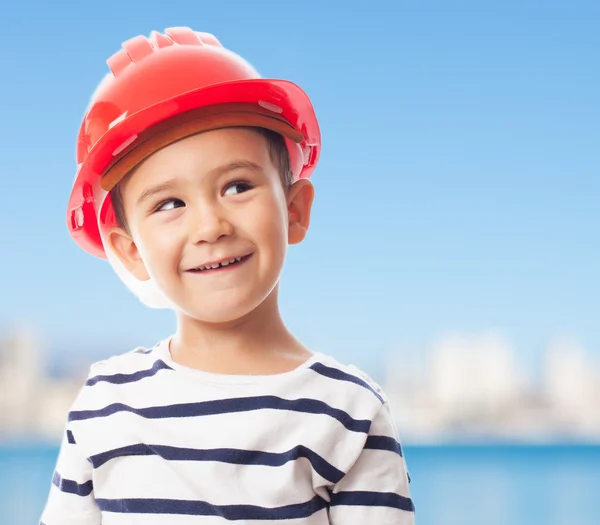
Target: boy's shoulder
[[331, 367], [132, 361], [105, 378]]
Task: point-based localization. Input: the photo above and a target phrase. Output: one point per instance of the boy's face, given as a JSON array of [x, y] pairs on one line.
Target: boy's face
[[213, 197]]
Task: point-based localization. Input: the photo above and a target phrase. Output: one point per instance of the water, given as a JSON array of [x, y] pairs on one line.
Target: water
[[451, 485]]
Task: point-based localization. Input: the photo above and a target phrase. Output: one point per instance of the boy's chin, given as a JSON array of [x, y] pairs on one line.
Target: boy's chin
[[220, 314]]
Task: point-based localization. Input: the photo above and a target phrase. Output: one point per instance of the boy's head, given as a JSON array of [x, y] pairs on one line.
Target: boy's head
[[208, 218], [182, 91]]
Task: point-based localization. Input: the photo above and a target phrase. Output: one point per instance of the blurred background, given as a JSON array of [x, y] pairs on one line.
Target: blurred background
[[453, 253]]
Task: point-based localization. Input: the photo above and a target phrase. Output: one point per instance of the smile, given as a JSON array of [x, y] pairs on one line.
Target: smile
[[219, 265]]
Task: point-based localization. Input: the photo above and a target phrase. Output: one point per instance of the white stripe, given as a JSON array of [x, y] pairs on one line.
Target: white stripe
[[319, 518], [379, 515], [81, 511], [216, 483]]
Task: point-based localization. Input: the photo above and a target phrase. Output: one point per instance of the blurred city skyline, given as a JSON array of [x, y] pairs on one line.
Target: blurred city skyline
[[463, 389]]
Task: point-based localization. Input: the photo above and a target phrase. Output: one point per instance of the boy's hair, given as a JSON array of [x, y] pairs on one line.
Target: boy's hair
[[277, 151]]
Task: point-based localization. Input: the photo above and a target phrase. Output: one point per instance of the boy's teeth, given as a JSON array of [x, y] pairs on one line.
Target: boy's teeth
[[224, 263]]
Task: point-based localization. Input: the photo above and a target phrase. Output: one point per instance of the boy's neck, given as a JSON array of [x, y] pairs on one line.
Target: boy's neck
[[258, 344]]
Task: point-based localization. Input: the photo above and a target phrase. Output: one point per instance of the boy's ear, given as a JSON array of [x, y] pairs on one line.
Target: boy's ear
[[300, 199], [124, 247]]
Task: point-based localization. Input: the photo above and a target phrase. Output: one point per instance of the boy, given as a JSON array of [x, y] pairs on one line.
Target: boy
[[193, 177]]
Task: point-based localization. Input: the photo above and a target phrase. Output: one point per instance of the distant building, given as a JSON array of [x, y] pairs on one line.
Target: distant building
[[473, 374], [571, 386], [21, 383], [31, 404]]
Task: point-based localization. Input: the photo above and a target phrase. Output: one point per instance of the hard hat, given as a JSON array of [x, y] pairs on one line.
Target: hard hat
[[164, 88]]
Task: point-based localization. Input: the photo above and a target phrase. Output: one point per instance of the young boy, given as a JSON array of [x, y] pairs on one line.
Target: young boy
[[193, 178]]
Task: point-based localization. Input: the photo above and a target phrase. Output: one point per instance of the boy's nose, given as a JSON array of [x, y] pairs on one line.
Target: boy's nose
[[208, 224]]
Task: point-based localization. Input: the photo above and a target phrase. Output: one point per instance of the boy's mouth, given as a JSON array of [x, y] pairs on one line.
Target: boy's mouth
[[226, 263]]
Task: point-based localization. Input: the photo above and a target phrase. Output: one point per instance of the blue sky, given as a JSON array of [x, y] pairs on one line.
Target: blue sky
[[458, 186]]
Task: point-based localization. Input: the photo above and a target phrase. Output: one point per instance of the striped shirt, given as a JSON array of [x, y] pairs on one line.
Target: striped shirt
[[149, 441]]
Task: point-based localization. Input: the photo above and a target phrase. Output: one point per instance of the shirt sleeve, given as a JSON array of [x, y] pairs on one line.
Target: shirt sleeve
[[376, 488], [71, 498]]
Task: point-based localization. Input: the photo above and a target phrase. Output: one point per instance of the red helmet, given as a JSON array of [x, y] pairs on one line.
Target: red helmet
[[181, 76]]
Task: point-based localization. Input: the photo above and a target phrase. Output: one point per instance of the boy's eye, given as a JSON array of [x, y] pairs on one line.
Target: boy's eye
[[237, 187], [169, 204]]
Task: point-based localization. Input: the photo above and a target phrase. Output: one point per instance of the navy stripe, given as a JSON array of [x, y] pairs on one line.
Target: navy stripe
[[335, 373], [383, 443], [372, 499], [226, 406], [120, 379], [71, 438], [224, 455], [72, 487], [202, 508]]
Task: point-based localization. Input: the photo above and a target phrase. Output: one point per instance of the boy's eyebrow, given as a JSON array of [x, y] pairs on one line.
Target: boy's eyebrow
[[153, 190], [237, 165], [220, 170]]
